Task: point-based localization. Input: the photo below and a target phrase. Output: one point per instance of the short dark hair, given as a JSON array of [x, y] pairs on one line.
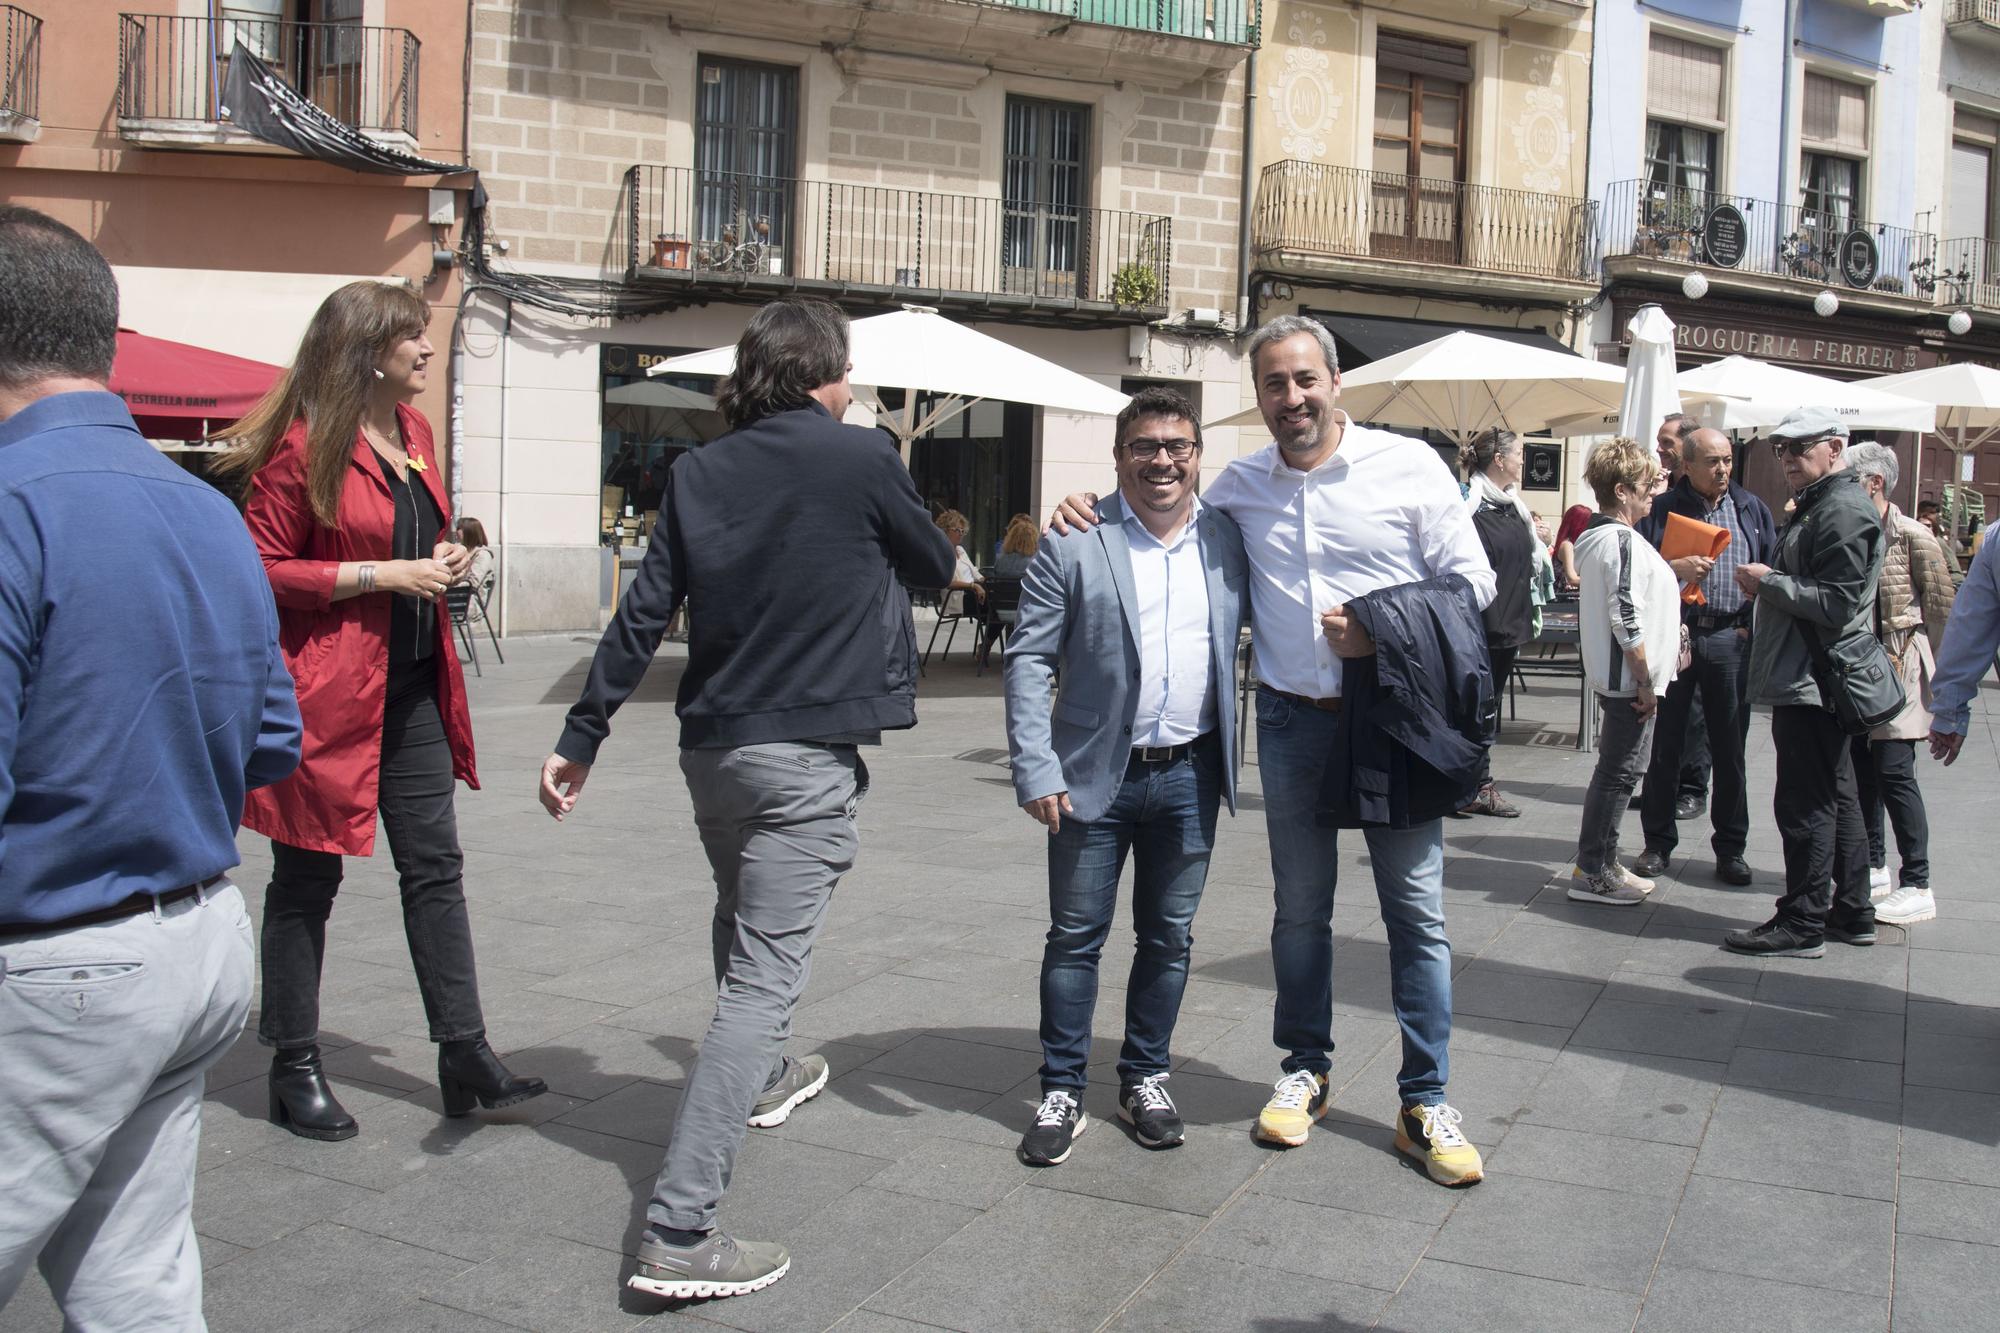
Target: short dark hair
[[58, 301], [790, 348], [1156, 400]]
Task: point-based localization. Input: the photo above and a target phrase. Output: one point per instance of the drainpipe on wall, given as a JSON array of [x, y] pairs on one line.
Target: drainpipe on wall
[[1785, 109], [500, 501], [1247, 200]]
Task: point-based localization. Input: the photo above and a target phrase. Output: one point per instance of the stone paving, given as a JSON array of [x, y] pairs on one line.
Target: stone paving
[[1676, 1137]]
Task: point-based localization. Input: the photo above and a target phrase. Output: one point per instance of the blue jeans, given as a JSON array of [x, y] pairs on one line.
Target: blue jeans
[[1164, 814], [1292, 747]]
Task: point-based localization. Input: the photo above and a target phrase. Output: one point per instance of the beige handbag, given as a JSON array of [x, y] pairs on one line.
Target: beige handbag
[[1910, 651]]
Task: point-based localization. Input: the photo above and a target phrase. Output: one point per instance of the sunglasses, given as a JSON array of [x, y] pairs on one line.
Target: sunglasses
[[1798, 448]]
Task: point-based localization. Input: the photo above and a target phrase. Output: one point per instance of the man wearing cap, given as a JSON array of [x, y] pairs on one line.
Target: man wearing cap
[[1820, 583]]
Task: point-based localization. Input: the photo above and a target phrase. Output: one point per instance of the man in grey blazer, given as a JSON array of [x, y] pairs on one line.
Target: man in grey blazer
[[1134, 750]]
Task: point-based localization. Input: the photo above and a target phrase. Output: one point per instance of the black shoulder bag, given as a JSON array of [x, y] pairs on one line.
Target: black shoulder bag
[[1856, 670]]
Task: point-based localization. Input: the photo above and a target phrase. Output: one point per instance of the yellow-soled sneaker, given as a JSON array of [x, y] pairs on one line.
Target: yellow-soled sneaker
[[1298, 1100], [1431, 1135]]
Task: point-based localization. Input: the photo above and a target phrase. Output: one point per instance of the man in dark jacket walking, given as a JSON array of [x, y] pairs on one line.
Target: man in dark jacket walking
[[1819, 588], [1717, 677], [801, 652]]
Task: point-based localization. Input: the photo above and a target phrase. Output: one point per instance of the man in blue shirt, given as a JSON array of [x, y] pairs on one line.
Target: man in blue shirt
[[1971, 637], [140, 697]]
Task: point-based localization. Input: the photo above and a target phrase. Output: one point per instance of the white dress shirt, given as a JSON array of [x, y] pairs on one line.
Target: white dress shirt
[[1176, 681], [1382, 509]]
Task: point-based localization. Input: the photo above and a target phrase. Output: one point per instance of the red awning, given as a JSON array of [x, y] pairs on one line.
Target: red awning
[[176, 391]]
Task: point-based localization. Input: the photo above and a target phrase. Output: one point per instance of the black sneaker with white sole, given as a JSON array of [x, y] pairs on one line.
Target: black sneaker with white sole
[[1155, 1120], [799, 1081], [719, 1266], [1059, 1123]]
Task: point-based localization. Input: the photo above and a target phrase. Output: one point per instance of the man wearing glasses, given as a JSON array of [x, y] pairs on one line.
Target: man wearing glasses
[[1133, 751], [1821, 583]]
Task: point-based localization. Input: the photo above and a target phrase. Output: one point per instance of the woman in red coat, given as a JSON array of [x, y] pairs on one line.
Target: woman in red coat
[[353, 524]]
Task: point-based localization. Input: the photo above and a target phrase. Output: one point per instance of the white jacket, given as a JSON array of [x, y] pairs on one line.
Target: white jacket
[[1626, 595]]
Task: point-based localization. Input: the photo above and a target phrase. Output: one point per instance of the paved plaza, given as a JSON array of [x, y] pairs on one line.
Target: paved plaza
[[1677, 1138]]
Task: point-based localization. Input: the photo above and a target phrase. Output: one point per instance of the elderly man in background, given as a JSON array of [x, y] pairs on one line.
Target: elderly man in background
[[1820, 583], [1709, 698], [1912, 607]]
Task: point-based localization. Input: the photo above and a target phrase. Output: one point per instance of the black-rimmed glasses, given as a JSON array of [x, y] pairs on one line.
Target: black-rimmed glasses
[[1147, 450]]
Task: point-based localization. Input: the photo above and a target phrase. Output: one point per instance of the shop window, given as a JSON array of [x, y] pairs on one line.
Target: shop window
[[1833, 133], [745, 154], [1419, 148], [644, 430], [1042, 242]]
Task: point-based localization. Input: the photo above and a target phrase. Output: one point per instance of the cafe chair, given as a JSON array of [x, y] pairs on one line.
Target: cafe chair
[[458, 604]]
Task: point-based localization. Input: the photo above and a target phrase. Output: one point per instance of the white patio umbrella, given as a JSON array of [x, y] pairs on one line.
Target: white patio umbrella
[[1967, 399], [918, 350], [1651, 393], [1466, 382], [681, 412], [1756, 395]]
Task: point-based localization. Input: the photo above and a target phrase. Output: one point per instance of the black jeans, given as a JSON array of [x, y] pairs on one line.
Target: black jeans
[[1502, 661], [1819, 821], [1695, 759], [422, 827], [1885, 773], [1719, 676]]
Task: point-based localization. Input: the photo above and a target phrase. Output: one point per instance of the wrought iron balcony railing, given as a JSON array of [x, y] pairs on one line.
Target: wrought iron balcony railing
[[1808, 245], [173, 68], [1310, 209], [1967, 273], [1235, 22], [740, 229], [21, 74]]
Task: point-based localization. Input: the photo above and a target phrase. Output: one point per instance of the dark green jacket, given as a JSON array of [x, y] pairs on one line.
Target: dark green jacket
[[1822, 581]]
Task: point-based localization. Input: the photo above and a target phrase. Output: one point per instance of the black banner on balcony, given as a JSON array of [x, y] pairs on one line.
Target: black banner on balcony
[[258, 101]]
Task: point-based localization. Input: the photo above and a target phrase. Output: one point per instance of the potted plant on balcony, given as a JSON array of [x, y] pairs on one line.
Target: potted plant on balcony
[[670, 250], [1135, 284]]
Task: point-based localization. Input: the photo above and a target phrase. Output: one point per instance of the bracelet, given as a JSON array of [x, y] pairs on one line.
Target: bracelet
[[365, 576]]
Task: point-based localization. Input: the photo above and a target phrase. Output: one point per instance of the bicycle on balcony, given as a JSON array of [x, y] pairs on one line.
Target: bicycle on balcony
[[729, 255], [1804, 256]]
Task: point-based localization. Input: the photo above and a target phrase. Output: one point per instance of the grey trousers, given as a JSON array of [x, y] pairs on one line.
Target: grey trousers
[[777, 822], [1624, 747], [107, 1033]]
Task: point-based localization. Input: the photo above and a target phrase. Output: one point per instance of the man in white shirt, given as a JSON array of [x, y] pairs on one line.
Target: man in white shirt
[[1134, 750], [1331, 511]]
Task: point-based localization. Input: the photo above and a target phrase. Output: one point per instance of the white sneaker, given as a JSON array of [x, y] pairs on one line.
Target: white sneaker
[[1630, 880], [1606, 886], [1907, 906], [1878, 882]]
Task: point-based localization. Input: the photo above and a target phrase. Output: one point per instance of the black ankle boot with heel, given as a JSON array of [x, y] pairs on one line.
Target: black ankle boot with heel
[[469, 1071], [301, 1100]]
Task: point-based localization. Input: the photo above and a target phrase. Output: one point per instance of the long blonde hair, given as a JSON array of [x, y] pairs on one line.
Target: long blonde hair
[[327, 387]]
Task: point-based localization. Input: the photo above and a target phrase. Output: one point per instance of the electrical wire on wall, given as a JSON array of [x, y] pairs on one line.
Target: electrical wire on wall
[[578, 298]]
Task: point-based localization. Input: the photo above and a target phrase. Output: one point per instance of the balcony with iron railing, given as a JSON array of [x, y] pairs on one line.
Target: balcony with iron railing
[[1976, 21], [1758, 245], [1171, 42], [1315, 220], [20, 75], [172, 70], [711, 232]]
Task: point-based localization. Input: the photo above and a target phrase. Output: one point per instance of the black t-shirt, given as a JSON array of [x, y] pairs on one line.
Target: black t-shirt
[[412, 637]]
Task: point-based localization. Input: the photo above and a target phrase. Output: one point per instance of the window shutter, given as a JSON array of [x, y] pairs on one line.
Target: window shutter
[[1684, 80], [1971, 185], [1836, 114], [1421, 55]]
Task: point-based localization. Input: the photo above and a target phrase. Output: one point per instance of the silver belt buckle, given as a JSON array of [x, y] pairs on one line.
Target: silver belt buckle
[[1155, 754]]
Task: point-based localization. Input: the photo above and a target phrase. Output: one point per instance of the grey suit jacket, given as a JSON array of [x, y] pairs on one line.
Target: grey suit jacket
[[1078, 624]]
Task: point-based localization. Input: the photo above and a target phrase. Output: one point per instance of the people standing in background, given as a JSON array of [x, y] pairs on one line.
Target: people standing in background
[[1493, 460], [348, 510], [1912, 606], [1931, 515], [1628, 631]]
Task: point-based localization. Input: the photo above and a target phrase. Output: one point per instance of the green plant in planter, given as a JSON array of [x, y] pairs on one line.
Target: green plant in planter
[[1135, 284]]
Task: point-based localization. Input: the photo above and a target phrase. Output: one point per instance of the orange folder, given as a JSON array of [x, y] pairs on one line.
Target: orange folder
[[1687, 536]]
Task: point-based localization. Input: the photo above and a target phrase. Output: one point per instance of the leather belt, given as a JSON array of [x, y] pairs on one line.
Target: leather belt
[[1167, 754], [1305, 701], [1714, 620], [118, 911]]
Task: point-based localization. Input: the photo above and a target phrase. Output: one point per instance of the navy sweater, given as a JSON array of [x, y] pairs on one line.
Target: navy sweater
[[141, 691], [788, 535]]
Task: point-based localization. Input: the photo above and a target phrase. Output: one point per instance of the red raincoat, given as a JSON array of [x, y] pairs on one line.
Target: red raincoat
[[338, 652]]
